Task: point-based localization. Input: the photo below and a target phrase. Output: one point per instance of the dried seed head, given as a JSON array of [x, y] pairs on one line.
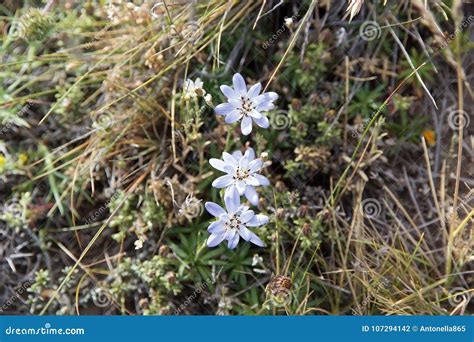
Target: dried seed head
[[280, 186], [306, 229], [280, 213], [164, 250], [171, 277], [296, 104], [279, 285], [303, 210]]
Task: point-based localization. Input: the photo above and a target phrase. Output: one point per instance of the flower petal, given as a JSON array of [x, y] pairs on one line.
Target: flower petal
[[217, 164], [244, 160], [254, 90], [246, 125], [230, 169], [243, 208], [270, 96], [234, 241], [265, 106], [255, 165], [216, 227], [229, 92], [255, 114], [235, 103], [223, 181], [233, 116], [214, 209], [237, 155], [262, 122], [246, 216], [244, 232], [229, 159], [232, 200], [251, 180], [229, 234], [256, 240], [224, 108], [240, 187], [239, 84], [251, 153], [252, 196], [257, 220], [262, 179], [215, 239]]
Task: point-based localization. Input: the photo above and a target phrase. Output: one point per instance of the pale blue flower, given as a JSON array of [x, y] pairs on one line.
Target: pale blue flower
[[233, 223], [242, 174], [246, 105]]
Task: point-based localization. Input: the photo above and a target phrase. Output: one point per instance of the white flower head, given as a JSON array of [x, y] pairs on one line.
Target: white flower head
[[233, 223], [193, 89], [245, 104], [208, 99], [242, 174]]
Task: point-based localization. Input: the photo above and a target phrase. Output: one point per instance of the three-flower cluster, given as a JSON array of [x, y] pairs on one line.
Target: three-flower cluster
[[242, 170]]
